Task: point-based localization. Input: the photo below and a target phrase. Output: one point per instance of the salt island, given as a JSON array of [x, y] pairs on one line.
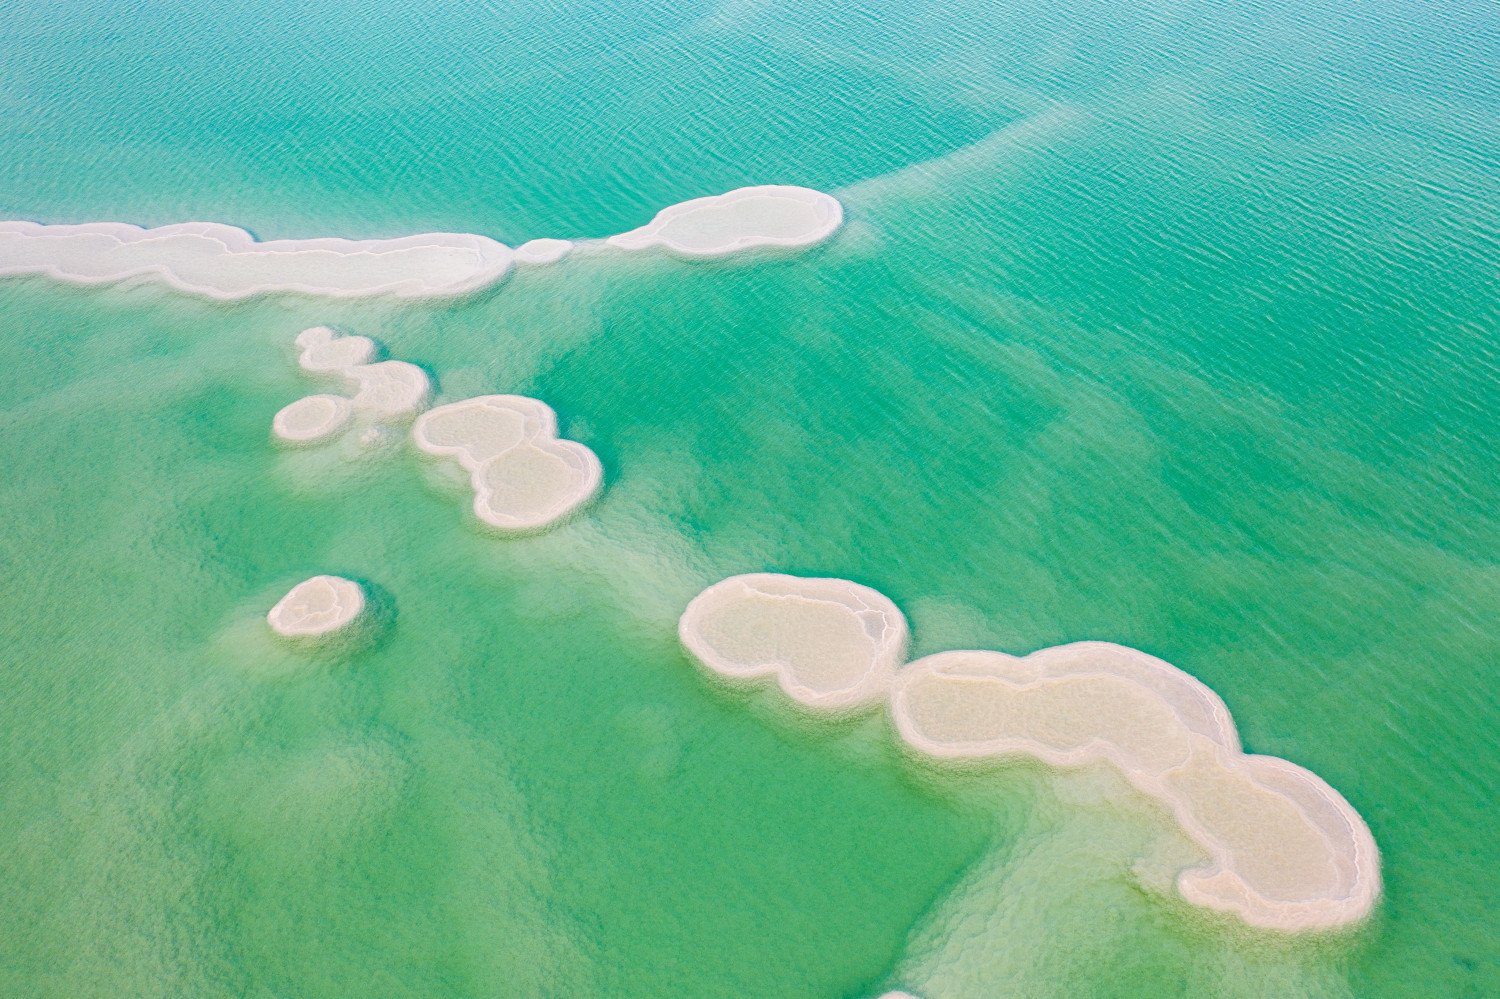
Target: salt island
[[382, 390], [318, 606], [525, 478], [1286, 851], [225, 262], [828, 643]]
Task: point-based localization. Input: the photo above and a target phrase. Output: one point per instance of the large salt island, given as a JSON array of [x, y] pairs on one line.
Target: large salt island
[[1286, 851], [772, 216]]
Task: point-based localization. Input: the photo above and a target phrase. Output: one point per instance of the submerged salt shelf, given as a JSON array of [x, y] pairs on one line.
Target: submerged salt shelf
[[770, 216], [543, 251], [829, 643], [225, 262], [317, 606], [525, 478], [1287, 852], [222, 261], [384, 390]]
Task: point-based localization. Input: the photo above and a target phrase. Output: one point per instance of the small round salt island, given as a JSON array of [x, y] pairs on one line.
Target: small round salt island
[[318, 606], [312, 418]]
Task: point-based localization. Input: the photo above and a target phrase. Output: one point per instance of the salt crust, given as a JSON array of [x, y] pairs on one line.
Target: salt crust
[[384, 390], [311, 418], [769, 216], [543, 251], [225, 262], [1287, 852], [829, 643], [317, 606], [525, 478]]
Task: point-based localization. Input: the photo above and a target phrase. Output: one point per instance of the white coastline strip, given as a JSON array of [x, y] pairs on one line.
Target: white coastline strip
[[317, 606], [772, 216], [1287, 851], [224, 262], [829, 643], [525, 478]]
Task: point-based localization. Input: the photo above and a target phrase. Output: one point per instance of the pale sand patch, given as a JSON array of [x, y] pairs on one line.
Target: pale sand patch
[[524, 477], [829, 643], [317, 606], [1288, 852], [224, 262], [770, 216]]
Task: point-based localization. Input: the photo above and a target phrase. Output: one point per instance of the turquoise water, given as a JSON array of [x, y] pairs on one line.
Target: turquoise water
[[1172, 326]]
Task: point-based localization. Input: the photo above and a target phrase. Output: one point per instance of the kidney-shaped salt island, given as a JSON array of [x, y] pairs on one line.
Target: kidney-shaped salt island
[[830, 643], [318, 606]]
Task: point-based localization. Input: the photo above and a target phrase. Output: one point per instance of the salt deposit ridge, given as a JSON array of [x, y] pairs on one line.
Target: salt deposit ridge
[[1286, 851], [224, 262], [317, 606], [525, 477]]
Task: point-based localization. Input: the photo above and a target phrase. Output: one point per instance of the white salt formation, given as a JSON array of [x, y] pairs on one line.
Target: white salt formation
[[317, 606], [221, 261], [543, 251], [225, 262], [311, 418], [384, 390], [1286, 851], [525, 478], [829, 643], [744, 219]]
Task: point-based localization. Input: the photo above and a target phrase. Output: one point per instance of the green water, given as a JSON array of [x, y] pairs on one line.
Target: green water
[[1172, 326]]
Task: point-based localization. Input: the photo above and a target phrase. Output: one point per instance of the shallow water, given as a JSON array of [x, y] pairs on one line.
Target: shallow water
[[1171, 326]]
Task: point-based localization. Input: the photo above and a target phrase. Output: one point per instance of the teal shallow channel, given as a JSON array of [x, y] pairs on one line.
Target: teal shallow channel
[[1172, 326]]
